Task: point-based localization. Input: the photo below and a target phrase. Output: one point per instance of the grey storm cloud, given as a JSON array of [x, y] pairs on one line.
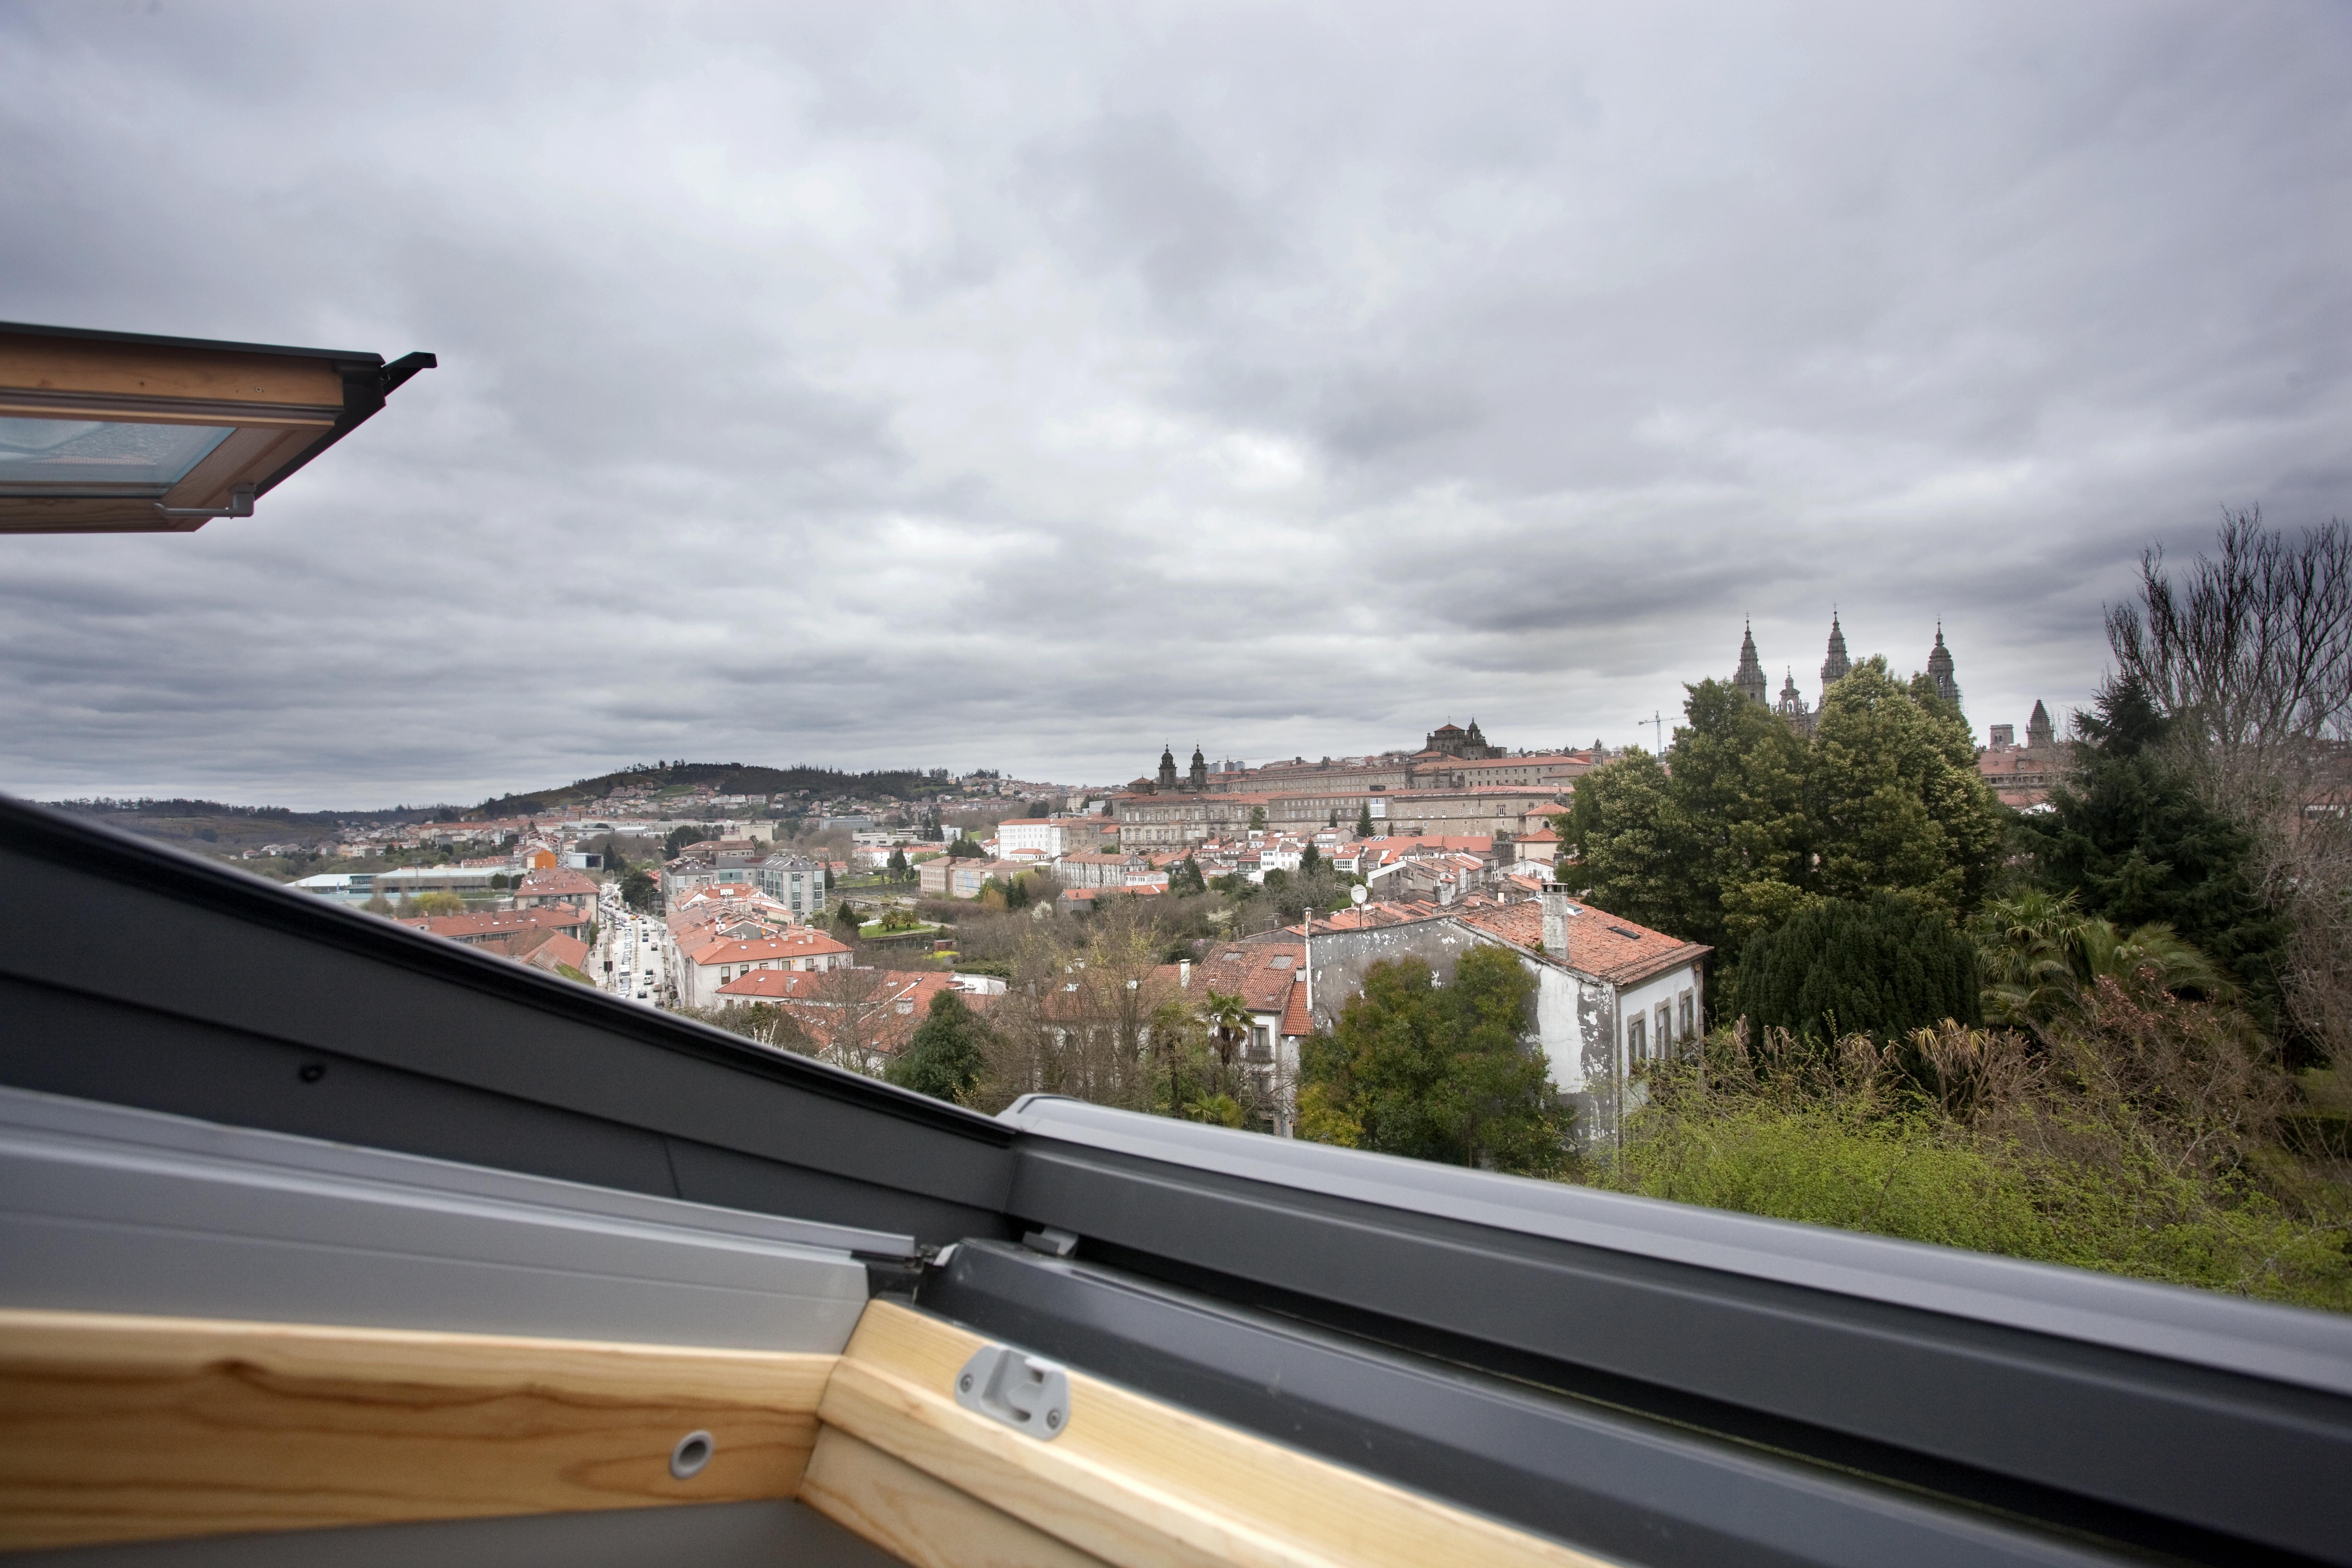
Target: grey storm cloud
[[1026, 387]]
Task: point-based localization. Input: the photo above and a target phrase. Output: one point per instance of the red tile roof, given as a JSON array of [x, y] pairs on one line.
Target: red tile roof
[[803, 942], [1295, 1019], [1261, 974], [497, 923], [1599, 944]]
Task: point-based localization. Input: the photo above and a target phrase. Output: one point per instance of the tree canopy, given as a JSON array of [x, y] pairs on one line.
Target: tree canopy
[[947, 1053], [2128, 836], [1435, 1072], [1744, 822]]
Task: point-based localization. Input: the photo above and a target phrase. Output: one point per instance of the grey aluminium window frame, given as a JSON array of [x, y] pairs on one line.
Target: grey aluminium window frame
[[2050, 1407]]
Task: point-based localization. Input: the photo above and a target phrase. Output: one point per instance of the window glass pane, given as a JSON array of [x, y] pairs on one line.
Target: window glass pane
[[85, 452]]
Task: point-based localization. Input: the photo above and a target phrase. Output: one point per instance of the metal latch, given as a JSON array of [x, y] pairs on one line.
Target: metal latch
[[1027, 1393]]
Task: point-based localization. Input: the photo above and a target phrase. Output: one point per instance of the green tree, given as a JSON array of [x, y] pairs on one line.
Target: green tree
[[896, 866], [1257, 817], [1895, 797], [1883, 968], [2042, 958], [1633, 855], [962, 849], [1186, 878], [640, 893], [1744, 822], [1735, 815], [1364, 821], [846, 917], [1310, 862], [1438, 1073], [2129, 837], [1227, 1019], [947, 1054]]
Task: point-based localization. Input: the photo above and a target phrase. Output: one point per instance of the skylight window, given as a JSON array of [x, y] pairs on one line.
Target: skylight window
[[114, 432]]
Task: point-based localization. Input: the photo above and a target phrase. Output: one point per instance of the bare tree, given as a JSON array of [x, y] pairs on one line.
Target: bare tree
[[1078, 1018], [2251, 656], [860, 1024], [2251, 653]]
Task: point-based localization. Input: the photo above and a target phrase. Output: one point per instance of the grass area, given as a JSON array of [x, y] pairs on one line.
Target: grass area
[[1911, 1177], [2173, 1154]]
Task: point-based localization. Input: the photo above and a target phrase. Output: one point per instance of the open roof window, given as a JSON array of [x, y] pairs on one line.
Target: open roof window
[[120, 433]]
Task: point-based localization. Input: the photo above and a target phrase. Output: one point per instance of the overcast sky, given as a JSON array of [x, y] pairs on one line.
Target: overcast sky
[[1026, 387]]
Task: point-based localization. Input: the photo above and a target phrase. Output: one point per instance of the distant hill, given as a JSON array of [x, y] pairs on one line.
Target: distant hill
[[732, 778], [214, 826]]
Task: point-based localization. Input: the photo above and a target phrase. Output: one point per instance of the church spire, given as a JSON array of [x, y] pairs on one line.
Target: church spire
[[1939, 670], [1836, 666], [1749, 679]]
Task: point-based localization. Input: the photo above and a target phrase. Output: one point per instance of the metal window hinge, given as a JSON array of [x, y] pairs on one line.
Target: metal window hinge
[[1027, 1393], [240, 504], [1053, 1243]]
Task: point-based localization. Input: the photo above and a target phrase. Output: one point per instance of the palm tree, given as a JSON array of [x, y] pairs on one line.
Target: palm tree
[[2042, 955], [1229, 1016]]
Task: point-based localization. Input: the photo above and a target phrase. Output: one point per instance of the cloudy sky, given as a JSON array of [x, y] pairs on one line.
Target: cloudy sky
[[1024, 386]]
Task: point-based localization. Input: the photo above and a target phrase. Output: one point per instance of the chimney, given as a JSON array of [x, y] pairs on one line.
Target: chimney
[[1184, 974], [1557, 913]]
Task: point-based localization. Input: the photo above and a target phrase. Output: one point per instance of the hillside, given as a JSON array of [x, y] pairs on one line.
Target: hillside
[[732, 778]]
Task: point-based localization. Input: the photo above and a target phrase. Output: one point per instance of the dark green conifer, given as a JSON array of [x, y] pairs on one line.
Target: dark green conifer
[[1882, 968]]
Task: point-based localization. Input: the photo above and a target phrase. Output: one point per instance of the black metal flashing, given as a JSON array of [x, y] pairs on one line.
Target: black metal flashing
[[152, 341], [212, 994]]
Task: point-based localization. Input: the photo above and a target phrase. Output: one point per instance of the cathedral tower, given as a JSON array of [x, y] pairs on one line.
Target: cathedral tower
[[1835, 667], [1199, 776], [1939, 671], [1749, 679], [1167, 770], [2039, 733]]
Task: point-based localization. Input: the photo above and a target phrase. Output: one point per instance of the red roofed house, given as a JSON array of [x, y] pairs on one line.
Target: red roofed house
[[493, 930], [854, 1017], [1269, 976], [557, 887], [553, 951], [702, 971], [1611, 996]]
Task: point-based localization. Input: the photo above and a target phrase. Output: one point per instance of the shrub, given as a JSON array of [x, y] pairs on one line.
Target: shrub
[[1884, 968]]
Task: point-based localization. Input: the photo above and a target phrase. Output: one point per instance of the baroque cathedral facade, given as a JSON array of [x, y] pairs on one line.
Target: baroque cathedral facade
[[1791, 705]]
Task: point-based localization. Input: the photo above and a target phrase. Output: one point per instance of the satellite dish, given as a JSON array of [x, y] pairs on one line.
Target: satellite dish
[[1359, 894]]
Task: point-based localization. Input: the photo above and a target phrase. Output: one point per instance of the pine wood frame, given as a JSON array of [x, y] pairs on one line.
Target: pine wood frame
[[119, 1428]]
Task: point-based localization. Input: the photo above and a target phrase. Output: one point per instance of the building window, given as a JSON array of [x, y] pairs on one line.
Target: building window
[[1690, 1017], [1637, 1049], [1665, 1030]]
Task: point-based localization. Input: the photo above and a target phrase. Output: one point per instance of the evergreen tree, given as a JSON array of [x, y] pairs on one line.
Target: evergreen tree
[[1882, 968], [2127, 835], [947, 1054], [1186, 878], [1364, 821], [897, 865], [1436, 1073]]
